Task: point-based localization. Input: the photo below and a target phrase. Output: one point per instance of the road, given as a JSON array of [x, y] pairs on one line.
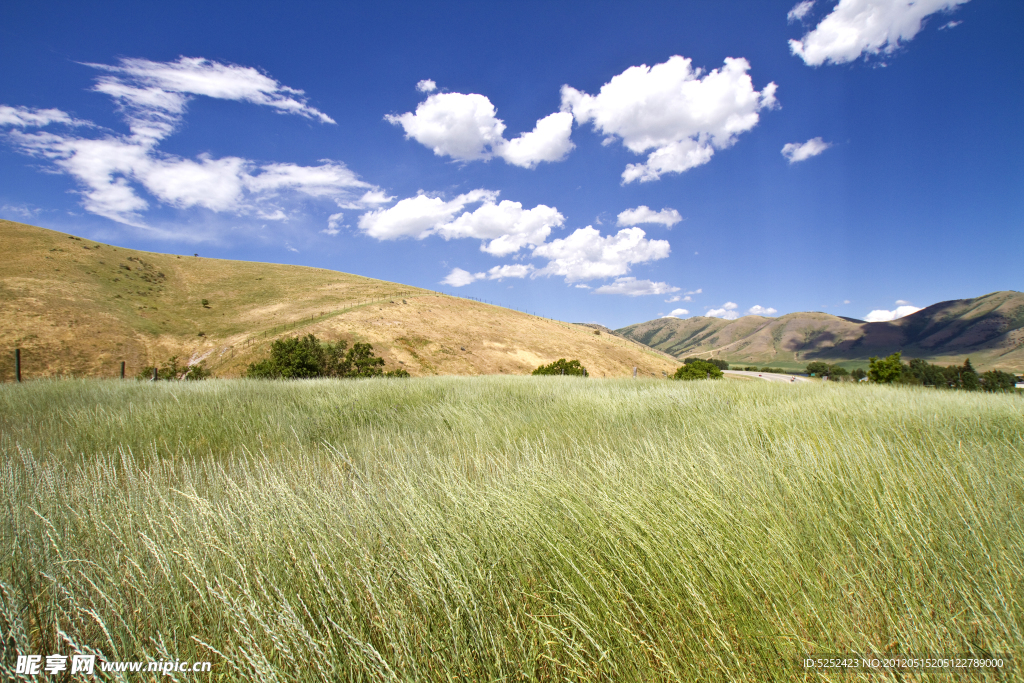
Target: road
[[773, 377]]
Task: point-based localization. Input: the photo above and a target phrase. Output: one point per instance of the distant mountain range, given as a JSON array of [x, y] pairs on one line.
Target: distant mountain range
[[988, 329]]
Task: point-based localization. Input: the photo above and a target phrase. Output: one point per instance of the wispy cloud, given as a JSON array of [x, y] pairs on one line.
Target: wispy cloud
[[460, 278], [153, 97], [799, 11], [27, 117], [630, 286]]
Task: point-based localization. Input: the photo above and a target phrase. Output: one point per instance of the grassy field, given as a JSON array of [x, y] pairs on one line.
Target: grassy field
[[510, 528]]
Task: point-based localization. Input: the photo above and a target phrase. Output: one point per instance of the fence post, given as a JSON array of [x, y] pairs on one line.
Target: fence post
[[122, 369], [17, 365], [154, 373], [634, 372]]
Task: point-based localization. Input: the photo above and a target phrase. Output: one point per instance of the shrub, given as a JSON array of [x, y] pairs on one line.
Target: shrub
[[307, 357], [720, 364], [562, 367], [698, 369], [171, 370]]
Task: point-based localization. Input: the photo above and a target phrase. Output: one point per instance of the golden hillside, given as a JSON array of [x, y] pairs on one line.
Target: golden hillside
[[78, 307]]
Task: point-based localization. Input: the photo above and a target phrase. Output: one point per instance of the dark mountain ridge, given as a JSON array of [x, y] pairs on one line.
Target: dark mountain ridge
[[989, 329]]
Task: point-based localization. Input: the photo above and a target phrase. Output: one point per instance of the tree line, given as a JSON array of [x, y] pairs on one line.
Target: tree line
[[919, 372]]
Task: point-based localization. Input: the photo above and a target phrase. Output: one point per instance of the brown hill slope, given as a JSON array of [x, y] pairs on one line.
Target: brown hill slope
[[80, 307], [988, 329]]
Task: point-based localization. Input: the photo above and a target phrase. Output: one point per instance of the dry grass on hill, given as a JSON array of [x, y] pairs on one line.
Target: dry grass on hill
[[80, 307]]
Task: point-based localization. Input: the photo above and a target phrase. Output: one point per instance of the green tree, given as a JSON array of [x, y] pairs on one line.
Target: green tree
[[885, 371], [698, 369], [858, 374], [720, 364], [292, 358], [362, 363], [920, 371], [562, 367], [997, 380], [817, 369], [306, 357], [837, 373], [968, 377]]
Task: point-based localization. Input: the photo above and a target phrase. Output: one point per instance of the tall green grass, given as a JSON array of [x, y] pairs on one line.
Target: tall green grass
[[509, 529]]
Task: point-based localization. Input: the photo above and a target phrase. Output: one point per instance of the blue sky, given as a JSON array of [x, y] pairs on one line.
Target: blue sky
[[606, 162]]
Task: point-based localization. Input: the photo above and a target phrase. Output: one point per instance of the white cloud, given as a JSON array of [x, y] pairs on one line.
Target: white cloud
[[586, 255], [464, 127], [868, 27], [508, 227], [582, 286], [949, 25], [548, 141], [467, 128], [677, 312], [630, 286], [901, 302], [460, 278], [879, 316], [799, 151], [426, 85], [846, 301], [504, 227], [800, 11], [726, 312], [643, 214], [26, 117], [681, 113], [760, 310]]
